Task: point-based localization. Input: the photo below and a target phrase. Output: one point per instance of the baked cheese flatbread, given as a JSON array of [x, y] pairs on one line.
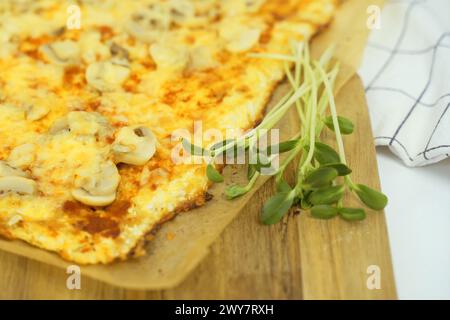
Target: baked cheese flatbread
[[91, 95]]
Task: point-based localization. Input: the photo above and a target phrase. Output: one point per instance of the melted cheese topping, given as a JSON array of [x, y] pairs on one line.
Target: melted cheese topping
[[64, 95]]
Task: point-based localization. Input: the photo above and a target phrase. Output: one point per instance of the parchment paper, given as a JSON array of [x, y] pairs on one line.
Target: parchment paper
[[168, 262]]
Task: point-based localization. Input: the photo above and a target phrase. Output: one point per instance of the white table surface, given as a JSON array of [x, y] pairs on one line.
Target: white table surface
[[418, 218]]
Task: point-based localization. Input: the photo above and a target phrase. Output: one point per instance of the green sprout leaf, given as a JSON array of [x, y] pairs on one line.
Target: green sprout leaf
[[373, 199], [325, 154], [235, 191], [324, 212], [282, 147], [341, 168], [352, 214], [193, 149], [276, 207], [283, 187], [345, 125], [213, 175], [321, 177], [327, 195]]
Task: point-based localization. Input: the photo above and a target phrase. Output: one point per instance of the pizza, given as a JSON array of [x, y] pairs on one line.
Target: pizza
[[91, 95]]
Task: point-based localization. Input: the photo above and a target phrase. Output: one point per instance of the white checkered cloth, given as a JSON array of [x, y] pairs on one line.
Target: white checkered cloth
[[406, 72]]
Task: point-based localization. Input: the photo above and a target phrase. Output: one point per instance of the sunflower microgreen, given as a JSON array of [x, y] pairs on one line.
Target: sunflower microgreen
[[345, 125], [323, 175], [213, 175]]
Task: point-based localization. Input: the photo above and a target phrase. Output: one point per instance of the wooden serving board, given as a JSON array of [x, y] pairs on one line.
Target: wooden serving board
[[300, 258]]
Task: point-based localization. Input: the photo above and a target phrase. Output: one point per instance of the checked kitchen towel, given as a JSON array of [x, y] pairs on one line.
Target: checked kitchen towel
[[406, 72]]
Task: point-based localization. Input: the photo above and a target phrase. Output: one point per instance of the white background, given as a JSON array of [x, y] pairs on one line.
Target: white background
[[418, 218]]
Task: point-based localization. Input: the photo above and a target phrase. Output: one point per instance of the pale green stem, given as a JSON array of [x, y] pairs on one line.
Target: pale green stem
[[288, 160], [298, 106], [278, 114], [334, 115], [252, 182], [312, 114], [323, 104]]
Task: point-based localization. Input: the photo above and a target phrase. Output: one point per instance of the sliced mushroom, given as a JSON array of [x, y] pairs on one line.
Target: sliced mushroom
[[36, 112], [86, 123], [15, 180], [99, 189], [120, 55], [207, 11], [64, 53], [98, 201], [60, 125], [201, 58], [19, 185], [181, 11], [147, 24], [134, 145], [7, 171], [22, 156], [106, 75], [103, 182], [82, 123], [239, 37], [169, 55], [92, 47]]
